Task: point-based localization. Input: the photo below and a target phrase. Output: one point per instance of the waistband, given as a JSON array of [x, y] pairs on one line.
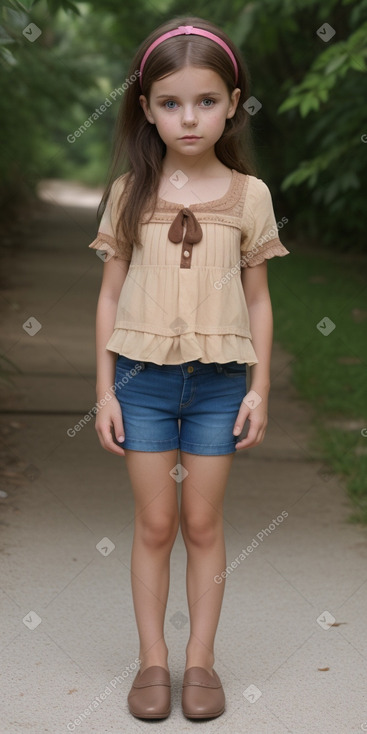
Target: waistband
[[185, 368]]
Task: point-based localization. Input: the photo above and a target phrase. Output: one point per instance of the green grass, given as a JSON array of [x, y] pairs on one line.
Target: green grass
[[305, 287]]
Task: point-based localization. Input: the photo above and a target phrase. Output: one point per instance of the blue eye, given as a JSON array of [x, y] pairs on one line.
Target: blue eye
[[171, 101]]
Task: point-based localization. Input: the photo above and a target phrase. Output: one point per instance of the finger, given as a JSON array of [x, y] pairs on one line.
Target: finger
[[240, 421], [251, 437], [115, 449], [107, 441], [118, 428]]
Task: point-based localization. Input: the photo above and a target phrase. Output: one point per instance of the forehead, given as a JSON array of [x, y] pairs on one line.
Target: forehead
[[192, 79]]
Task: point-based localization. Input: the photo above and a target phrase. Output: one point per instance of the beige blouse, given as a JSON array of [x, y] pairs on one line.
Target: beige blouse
[[183, 298]]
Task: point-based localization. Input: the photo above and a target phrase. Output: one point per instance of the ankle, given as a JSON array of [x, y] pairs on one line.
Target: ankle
[[154, 656], [199, 656]]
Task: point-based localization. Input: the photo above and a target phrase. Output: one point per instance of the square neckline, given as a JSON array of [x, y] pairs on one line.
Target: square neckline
[[208, 204]]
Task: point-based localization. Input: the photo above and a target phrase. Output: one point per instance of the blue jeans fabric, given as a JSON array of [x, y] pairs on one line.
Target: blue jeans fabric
[[205, 397]]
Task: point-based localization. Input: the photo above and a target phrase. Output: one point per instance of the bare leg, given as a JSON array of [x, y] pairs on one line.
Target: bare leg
[[155, 530], [202, 529]]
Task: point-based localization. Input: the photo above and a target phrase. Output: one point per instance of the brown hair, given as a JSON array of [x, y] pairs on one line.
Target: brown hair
[[138, 149]]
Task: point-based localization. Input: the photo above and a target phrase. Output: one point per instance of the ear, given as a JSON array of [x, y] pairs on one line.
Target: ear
[[144, 103], [235, 96]]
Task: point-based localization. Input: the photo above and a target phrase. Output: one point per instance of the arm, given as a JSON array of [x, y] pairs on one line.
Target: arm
[[114, 274], [255, 286]]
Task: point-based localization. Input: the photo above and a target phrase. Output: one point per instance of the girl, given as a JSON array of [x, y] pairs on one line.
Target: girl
[[186, 232]]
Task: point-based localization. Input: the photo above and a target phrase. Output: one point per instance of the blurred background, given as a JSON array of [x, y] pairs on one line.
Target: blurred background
[[59, 62]]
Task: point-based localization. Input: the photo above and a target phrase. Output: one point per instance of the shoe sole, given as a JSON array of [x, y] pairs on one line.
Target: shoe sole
[[204, 716], [151, 716]]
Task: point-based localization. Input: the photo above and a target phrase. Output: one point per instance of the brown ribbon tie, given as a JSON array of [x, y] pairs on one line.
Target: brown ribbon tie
[[193, 234]]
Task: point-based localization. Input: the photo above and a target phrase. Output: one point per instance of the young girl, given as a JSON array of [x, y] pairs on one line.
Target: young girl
[[184, 306]]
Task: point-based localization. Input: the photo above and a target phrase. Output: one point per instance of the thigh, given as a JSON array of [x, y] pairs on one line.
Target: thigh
[[208, 419], [152, 476], [148, 400], [204, 486]]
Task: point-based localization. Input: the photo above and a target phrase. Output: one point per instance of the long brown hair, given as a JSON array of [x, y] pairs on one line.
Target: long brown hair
[[138, 149]]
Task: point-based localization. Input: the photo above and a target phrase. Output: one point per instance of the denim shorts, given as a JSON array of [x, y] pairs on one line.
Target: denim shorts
[[205, 398]]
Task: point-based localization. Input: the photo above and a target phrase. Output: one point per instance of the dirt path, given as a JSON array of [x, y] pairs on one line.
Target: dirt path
[[291, 646]]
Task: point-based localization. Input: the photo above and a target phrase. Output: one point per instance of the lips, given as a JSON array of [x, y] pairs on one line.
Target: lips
[[190, 137]]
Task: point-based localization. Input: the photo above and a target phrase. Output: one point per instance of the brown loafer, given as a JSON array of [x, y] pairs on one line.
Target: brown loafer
[[150, 694], [202, 694]]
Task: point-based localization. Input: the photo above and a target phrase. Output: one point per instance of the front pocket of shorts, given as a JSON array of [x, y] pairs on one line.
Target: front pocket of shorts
[[234, 369]]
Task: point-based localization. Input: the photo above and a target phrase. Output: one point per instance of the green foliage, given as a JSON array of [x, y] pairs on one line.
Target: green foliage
[[332, 94], [55, 5], [39, 81]]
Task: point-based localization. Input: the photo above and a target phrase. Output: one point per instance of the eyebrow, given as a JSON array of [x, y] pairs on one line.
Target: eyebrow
[[203, 94]]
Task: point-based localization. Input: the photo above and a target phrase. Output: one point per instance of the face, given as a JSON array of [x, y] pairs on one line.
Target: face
[[191, 101]]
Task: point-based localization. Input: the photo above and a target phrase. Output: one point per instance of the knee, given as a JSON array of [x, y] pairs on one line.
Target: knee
[[157, 532], [200, 531]]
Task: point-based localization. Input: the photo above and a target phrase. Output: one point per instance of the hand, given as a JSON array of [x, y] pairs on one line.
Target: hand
[[108, 417], [258, 418]]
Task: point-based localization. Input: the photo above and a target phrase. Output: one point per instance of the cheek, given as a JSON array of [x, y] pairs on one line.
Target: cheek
[[217, 121], [164, 124]]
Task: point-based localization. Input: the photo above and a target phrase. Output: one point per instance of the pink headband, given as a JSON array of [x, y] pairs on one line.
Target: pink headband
[[188, 30]]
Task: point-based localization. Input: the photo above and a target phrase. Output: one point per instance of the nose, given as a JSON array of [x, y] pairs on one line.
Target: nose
[[189, 115]]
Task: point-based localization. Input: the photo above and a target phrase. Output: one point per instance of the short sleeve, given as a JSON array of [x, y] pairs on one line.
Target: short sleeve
[[260, 238], [106, 242]]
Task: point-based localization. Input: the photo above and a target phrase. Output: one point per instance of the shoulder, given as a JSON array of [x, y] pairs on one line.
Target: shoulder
[[258, 199], [119, 184], [254, 190], [257, 187], [116, 192]]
